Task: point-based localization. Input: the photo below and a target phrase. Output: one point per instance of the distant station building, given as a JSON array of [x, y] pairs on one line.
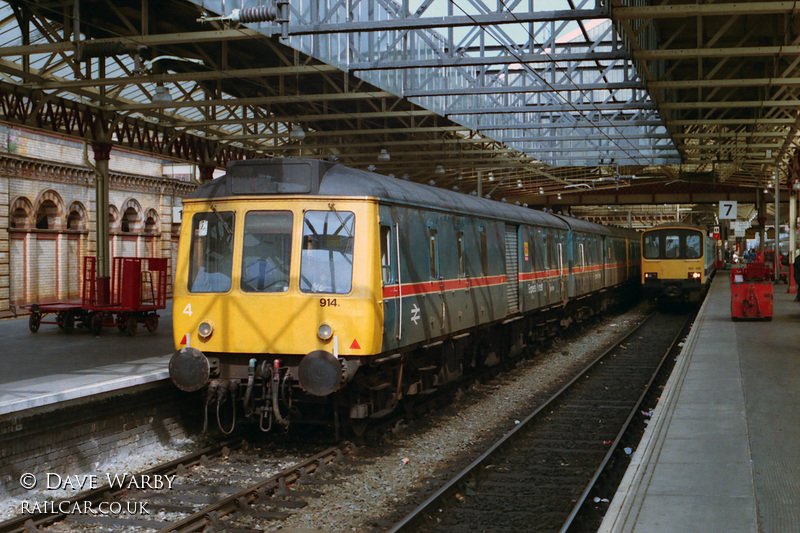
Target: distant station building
[[48, 215]]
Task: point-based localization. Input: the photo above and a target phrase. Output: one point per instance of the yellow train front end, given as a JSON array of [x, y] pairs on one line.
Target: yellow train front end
[[274, 294], [674, 263]]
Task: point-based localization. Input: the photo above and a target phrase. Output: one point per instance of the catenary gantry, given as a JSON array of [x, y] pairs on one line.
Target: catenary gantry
[[591, 101]]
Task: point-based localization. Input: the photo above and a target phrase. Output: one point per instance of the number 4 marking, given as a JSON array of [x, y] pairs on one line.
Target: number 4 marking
[[187, 310]]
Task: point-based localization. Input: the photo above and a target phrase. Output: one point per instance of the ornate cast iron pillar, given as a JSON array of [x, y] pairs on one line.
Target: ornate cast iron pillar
[[102, 154]]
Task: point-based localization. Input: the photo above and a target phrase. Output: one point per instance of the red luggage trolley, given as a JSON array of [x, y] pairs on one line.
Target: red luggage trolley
[[751, 292], [133, 294], [68, 315], [136, 290]]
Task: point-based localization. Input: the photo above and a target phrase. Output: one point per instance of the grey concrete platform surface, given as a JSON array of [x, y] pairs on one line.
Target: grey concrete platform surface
[[44, 368], [722, 450]]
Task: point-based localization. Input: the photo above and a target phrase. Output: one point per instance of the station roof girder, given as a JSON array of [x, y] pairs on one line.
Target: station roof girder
[[549, 98]]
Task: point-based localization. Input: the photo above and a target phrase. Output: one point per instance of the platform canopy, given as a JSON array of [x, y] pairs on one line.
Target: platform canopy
[[544, 102]]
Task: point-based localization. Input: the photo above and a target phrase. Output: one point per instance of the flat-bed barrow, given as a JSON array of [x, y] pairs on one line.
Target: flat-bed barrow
[[133, 294]]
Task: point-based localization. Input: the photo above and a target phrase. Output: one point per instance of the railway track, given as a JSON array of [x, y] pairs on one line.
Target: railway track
[[538, 476], [185, 499], [228, 486]]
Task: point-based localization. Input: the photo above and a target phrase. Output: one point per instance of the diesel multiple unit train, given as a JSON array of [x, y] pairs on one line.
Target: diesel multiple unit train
[[678, 262], [307, 290]]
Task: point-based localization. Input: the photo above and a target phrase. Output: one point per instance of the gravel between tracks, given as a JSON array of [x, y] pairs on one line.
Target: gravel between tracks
[[404, 470]]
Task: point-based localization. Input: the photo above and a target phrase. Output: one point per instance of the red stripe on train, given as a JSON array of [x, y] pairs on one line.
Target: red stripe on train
[[432, 287], [428, 287]]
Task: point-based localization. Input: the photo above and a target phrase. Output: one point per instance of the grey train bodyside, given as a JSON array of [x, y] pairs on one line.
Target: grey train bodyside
[[455, 262]]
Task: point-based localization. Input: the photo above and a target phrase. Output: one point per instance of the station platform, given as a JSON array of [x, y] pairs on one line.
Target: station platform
[[50, 366], [722, 450]]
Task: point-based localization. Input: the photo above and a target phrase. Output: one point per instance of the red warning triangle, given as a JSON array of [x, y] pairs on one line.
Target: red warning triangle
[[355, 345], [183, 340]]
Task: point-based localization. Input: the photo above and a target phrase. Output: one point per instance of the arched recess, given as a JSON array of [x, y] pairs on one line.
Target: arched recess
[[151, 221], [20, 214], [152, 233], [20, 221], [76, 216], [77, 222], [49, 210], [131, 216], [113, 217], [113, 226]]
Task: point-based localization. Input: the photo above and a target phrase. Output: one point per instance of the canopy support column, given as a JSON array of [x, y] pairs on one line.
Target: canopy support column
[[102, 154]]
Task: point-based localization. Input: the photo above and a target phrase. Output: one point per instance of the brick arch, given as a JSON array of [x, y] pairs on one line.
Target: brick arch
[[49, 210], [131, 216], [77, 218], [113, 217], [20, 213], [151, 219]]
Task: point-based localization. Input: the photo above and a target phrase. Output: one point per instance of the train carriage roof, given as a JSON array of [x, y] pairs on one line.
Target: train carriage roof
[[683, 225], [578, 224], [270, 177]]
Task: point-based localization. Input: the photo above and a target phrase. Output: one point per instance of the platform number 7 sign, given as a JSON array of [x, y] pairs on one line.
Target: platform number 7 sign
[[727, 210]]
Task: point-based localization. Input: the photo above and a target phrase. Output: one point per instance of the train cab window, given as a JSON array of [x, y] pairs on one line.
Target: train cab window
[[652, 245], [531, 255], [484, 252], [326, 259], [211, 255], [266, 251], [462, 272], [672, 246], [433, 239], [386, 255], [694, 248]]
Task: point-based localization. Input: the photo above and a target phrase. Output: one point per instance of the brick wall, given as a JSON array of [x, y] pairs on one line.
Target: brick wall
[[5, 246], [76, 438], [40, 265]]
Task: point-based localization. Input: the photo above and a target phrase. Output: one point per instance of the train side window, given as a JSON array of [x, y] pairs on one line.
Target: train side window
[[460, 249], [484, 252], [694, 249], [532, 252], [434, 249], [652, 245], [386, 254]]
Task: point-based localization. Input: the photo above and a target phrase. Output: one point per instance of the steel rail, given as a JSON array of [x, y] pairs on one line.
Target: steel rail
[[505, 438], [22, 524], [615, 444], [241, 499]]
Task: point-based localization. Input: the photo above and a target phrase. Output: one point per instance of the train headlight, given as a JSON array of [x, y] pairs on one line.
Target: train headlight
[[650, 275], [205, 329], [325, 332], [694, 276]]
